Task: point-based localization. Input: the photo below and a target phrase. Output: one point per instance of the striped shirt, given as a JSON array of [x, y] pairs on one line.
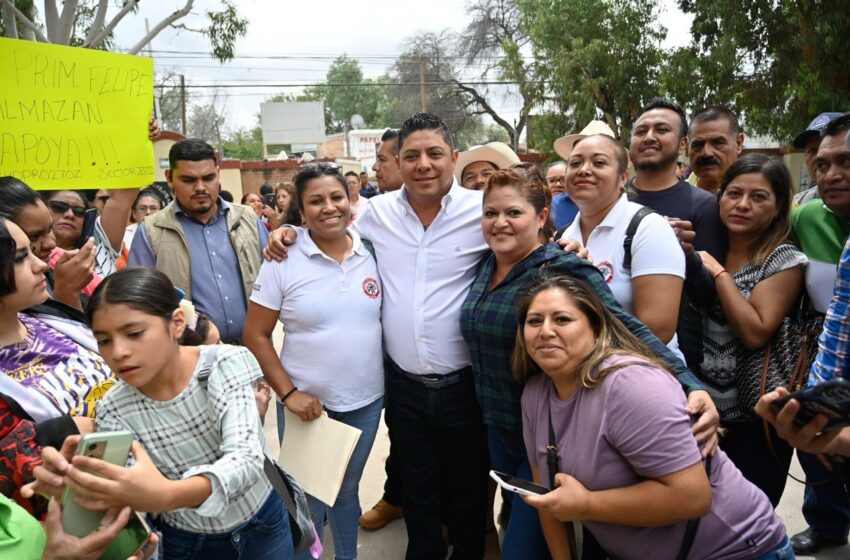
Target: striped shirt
[[210, 429], [833, 359]]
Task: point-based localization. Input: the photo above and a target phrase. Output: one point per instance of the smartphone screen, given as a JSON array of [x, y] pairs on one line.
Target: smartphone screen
[[132, 537], [513, 483]]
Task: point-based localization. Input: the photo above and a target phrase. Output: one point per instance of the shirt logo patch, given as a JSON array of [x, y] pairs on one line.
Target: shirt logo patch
[[607, 270], [371, 288]]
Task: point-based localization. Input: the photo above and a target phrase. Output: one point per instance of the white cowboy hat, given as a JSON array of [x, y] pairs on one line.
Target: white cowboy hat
[[564, 145], [498, 153]]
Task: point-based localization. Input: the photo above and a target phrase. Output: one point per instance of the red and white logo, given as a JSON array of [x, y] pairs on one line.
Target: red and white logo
[[371, 288], [607, 270]]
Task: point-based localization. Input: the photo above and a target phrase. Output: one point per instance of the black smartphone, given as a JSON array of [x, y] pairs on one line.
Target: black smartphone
[[89, 218], [268, 200], [830, 398]]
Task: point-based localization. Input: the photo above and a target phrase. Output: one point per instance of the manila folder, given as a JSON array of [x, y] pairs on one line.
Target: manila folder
[[316, 453]]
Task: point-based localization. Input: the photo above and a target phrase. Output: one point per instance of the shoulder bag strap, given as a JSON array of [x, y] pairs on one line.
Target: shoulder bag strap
[[554, 464], [281, 489]]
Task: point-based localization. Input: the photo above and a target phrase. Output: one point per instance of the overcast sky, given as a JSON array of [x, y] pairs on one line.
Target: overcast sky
[[314, 33]]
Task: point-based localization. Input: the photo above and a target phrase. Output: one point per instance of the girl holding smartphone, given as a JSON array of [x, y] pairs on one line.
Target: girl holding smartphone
[[199, 447]]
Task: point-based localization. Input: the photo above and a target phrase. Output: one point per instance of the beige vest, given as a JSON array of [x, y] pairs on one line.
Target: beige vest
[[166, 237]]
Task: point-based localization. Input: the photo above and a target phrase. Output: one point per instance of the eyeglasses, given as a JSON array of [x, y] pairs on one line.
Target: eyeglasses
[[103, 198], [60, 207], [557, 180]]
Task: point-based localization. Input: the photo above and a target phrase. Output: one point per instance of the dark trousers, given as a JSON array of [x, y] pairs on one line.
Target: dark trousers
[[826, 506], [392, 486], [746, 446], [438, 435]]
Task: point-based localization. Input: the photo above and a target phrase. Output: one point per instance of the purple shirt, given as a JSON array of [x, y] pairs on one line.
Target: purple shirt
[[633, 427]]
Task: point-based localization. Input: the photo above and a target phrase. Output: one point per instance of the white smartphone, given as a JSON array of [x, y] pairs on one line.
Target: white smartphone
[[518, 485], [112, 447]]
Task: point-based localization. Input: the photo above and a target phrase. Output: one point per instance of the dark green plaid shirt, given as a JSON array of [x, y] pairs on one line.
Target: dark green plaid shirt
[[488, 324]]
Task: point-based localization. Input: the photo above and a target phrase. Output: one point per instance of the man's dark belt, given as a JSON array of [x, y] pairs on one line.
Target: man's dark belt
[[433, 380]]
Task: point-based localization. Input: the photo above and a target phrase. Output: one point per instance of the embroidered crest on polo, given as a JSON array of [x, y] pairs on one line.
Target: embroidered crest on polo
[[607, 270], [371, 288]]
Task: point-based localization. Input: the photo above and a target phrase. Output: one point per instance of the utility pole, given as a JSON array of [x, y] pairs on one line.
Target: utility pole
[[422, 84], [183, 104]]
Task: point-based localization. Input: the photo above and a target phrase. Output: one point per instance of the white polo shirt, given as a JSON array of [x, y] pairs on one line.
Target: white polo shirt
[[655, 250], [331, 314], [426, 275]]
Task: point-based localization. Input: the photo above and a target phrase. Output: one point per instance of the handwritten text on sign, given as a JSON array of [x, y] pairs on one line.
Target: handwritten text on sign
[[74, 118]]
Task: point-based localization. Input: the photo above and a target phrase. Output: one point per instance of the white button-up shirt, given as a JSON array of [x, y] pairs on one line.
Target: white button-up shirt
[[426, 275]]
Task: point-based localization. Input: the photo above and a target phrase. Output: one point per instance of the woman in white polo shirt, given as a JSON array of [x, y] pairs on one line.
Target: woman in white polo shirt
[[328, 296], [651, 287]]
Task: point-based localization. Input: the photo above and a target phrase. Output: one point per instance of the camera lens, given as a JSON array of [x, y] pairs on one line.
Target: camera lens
[[92, 446]]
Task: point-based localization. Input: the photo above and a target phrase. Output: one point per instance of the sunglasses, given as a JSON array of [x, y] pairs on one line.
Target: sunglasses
[[60, 207]]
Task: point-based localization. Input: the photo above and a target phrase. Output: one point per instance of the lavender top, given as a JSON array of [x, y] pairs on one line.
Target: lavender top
[[633, 427]]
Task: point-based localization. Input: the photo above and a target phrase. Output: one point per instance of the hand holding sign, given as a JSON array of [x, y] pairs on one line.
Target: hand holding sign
[[74, 118]]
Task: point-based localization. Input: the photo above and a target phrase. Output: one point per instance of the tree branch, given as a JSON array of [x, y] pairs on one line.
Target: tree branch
[[482, 102], [99, 19], [182, 12], [51, 20], [25, 21], [66, 21], [128, 7], [10, 29]]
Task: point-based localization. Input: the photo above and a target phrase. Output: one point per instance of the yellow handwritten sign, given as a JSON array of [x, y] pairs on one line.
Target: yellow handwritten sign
[[73, 118]]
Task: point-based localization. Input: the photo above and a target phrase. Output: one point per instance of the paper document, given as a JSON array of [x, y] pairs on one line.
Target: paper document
[[316, 453]]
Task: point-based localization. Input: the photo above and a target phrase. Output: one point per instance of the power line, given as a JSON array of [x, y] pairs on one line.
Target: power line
[[368, 84]]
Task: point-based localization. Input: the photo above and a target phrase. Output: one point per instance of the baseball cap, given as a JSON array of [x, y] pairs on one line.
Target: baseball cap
[[815, 128]]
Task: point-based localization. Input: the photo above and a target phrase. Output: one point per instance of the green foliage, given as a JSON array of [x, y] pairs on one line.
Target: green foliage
[[602, 57], [244, 144], [779, 62], [225, 27], [365, 97]]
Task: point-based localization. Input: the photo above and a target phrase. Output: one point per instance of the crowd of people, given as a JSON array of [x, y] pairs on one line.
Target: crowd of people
[[611, 326]]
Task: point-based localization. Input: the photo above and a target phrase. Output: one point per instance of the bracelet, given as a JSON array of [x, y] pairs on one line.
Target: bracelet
[[719, 273], [286, 396]]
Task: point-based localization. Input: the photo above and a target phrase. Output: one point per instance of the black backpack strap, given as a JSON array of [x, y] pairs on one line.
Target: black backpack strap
[[631, 230], [369, 247]]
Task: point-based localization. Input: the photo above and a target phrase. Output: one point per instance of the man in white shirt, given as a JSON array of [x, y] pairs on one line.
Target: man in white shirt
[[428, 243]]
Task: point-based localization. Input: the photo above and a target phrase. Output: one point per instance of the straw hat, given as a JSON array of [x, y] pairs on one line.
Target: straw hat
[[498, 153], [564, 145]]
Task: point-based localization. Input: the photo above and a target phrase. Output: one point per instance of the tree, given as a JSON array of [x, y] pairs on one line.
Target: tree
[[600, 57], [778, 63], [244, 144], [495, 40], [85, 23], [432, 53], [362, 97]]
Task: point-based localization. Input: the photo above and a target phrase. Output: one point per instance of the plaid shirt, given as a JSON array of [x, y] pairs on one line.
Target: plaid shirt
[[488, 323], [213, 431], [833, 359]]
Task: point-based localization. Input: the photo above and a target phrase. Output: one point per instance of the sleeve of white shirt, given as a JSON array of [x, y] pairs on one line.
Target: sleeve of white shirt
[[656, 250], [268, 287], [241, 463]]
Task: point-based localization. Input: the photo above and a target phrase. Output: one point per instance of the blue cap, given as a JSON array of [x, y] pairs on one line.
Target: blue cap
[[815, 128]]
